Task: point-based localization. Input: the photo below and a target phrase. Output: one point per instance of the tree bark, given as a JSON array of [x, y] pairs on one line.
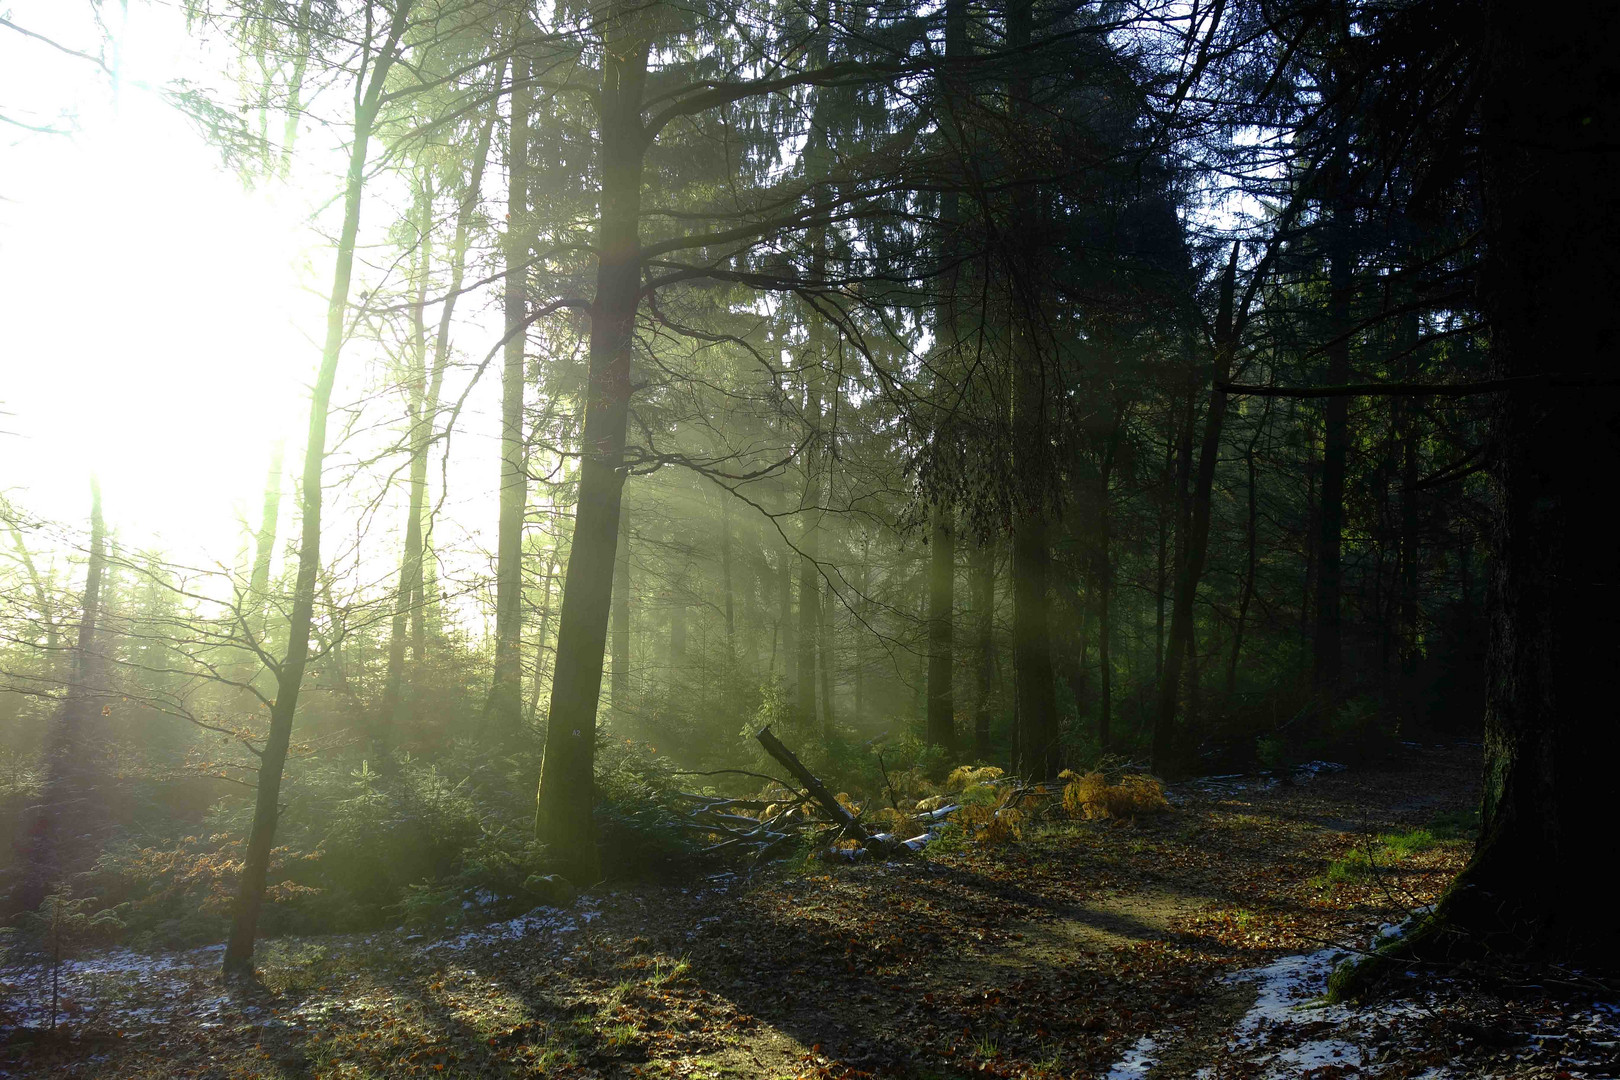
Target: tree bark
[[1551, 142], [566, 794]]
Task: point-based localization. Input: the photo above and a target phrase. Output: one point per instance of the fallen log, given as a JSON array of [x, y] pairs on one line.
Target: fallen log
[[835, 810]]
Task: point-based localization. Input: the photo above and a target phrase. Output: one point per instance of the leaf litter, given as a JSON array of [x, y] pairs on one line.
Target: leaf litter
[[1189, 944]]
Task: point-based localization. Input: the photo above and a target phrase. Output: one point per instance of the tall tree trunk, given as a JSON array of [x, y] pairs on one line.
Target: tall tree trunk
[[1105, 576], [940, 726], [1039, 754], [419, 423], [677, 621], [290, 677], [1551, 142], [863, 609], [1411, 551], [1327, 646], [726, 590], [1181, 641], [619, 688], [1251, 537], [1161, 579], [982, 589], [941, 723], [785, 623], [501, 709], [566, 793], [828, 720], [816, 161]]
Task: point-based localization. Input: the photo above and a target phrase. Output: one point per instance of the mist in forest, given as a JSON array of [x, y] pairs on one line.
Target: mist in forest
[[467, 459]]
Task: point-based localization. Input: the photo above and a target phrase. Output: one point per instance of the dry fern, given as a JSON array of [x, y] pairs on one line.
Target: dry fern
[[1091, 796]]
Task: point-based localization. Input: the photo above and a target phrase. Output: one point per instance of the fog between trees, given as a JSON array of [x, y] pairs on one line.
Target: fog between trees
[[1046, 385]]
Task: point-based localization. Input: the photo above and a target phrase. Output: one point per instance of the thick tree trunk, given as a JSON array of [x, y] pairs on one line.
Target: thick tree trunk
[[1038, 752], [1551, 140], [501, 708], [566, 793], [261, 839]]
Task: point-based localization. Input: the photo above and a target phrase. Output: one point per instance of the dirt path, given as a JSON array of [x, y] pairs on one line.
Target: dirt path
[[1055, 956]]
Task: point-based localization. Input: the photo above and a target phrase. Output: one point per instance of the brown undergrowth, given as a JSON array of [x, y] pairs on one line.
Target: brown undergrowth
[[1046, 956]]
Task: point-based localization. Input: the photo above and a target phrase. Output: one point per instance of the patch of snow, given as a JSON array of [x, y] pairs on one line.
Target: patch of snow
[[542, 920], [1136, 1062]]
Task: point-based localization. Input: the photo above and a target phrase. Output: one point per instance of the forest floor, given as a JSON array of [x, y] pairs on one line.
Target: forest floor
[[1187, 944]]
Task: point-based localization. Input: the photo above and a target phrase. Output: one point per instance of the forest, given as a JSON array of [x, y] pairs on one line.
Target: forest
[[808, 538]]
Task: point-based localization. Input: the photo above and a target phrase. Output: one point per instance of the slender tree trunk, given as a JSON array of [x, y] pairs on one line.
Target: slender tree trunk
[[264, 547], [828, 720], [677, 621], [1181, 642], [541, 638], [1251, 536], [785, 623], [1328, 642], [501, 709], [1161, 579], [725, 576], [1411, 550], [566, 793], [1105, 577], [863, 608], [982, 586], [941, 724], [261, 840], [410, 565]]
